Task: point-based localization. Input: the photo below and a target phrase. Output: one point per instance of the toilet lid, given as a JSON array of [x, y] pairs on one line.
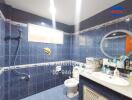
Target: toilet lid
[[71, 82]]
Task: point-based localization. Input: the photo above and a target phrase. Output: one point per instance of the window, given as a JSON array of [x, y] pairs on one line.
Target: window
[[43, 34]]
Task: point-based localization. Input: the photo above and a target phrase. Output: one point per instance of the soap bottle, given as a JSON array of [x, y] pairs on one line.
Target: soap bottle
[[116, 72]]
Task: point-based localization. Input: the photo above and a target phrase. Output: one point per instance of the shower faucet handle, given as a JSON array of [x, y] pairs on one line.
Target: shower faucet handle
[[26, 77]]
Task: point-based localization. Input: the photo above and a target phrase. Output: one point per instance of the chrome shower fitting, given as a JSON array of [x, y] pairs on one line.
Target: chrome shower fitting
[[15, 38]]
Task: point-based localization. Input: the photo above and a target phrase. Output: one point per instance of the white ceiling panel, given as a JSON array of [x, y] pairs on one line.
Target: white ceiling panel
[[65, 9]]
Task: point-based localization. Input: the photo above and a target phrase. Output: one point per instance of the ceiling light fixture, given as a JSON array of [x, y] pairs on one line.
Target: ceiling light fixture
[[53, 12], [77, 15], [42, 23]]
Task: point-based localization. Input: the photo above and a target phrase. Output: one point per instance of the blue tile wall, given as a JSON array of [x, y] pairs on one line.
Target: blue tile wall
[[91, 47], [2, 46], [2, 58], [2, 86], [31, 52], [42, 78]]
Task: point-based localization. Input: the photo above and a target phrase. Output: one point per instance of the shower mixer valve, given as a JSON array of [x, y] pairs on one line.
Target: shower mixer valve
[[26, 77]]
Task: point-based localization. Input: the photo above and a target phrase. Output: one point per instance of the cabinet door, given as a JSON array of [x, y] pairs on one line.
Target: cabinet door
[[90, 94]]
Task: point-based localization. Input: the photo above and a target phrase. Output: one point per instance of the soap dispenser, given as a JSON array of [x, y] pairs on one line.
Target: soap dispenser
[[116, 72]]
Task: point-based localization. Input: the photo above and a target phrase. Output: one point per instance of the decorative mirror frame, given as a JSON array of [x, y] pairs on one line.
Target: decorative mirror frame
[[101, 43]]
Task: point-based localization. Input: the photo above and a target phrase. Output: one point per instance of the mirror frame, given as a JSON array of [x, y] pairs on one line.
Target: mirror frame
[[101, 43]]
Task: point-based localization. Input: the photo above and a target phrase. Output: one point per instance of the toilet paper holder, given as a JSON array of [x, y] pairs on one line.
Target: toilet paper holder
[[58, 69]]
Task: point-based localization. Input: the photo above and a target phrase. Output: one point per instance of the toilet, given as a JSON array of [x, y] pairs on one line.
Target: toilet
[[72, 83]]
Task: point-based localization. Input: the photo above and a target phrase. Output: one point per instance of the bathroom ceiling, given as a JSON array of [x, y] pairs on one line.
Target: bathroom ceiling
[[65, 9]]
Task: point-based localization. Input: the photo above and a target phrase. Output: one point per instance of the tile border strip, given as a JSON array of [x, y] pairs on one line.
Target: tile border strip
[[66, 62]]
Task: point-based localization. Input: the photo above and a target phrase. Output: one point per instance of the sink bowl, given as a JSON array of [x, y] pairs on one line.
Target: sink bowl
[[110, 79]]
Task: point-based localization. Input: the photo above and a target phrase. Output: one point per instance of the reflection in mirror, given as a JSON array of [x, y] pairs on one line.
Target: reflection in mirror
[[117, 43], [130, 54]]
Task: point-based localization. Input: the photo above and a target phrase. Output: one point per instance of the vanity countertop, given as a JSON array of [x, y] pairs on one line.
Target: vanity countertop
[[124, 90]]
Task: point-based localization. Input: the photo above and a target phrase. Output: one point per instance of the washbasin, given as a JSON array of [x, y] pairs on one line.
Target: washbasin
[[110, 79]]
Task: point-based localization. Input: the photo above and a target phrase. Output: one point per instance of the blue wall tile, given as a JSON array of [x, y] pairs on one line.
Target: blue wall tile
[[92, 43], [42, 78], [31, 51], [2, 44]]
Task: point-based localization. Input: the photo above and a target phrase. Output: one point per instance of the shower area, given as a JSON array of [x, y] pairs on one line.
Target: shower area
[[25, 69]]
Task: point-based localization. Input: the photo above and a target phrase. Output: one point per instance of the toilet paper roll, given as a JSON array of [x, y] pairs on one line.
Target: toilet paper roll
[[58, 68]]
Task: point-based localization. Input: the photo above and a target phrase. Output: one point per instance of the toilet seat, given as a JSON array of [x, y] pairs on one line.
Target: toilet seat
[[72, 82]]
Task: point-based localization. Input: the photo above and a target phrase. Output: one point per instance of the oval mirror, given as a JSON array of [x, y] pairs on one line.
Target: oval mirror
[[117, 43]]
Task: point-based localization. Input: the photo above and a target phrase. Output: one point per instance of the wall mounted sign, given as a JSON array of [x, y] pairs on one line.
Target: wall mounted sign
[[118, 11], [47, 51]]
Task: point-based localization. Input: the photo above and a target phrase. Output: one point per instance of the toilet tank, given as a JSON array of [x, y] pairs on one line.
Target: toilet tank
[[75, 72]]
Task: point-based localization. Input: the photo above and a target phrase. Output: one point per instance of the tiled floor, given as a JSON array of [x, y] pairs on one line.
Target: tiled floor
[[57, 93]]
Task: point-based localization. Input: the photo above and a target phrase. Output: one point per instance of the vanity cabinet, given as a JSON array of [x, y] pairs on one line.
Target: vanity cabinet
[[90, 90], [89, 94]]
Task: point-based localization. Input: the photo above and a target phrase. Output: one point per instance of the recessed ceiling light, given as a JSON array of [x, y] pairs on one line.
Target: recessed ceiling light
[[42, 23], [77, 15], [52, 7], [127, 20], [53, 10]]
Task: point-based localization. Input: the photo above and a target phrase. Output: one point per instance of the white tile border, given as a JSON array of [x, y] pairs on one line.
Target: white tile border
[[1, 70], [66, 62]]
